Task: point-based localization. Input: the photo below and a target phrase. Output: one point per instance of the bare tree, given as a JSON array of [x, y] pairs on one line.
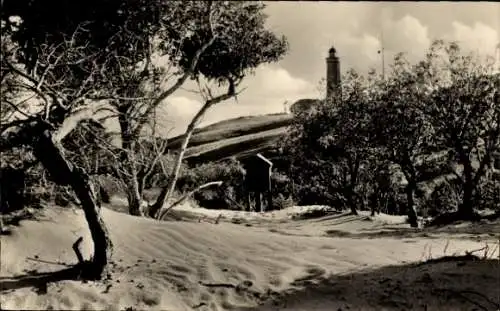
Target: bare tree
[[48, 105]]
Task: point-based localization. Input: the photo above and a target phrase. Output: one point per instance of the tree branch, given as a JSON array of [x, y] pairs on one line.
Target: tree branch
[[178, 84], [35, 82], [187, 195]]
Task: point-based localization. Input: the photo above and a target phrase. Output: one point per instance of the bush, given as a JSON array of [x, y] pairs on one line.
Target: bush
[[489, 194], [444, 199], [227, 196], [159, 178], [231, 194], [282, 202]]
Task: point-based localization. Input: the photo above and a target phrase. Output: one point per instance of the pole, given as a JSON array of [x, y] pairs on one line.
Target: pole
[[382, 51]]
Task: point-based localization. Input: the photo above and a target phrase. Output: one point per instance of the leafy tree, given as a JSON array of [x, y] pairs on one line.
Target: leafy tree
[[334, 138], [463, 107], [401, 131]]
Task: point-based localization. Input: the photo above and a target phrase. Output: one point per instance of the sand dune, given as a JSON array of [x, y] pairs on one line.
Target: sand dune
[[257, 265]]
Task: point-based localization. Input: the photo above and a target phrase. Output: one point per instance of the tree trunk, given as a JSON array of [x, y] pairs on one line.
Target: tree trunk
[[134, 198], [466, 208], [373, 202], [410, 174], [167, 191], [353, 208], [127, 158], [410, 207], [134, 191], [353, 179], [350, 201], [50, 153]]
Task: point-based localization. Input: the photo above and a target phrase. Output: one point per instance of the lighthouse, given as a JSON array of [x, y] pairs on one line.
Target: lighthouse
[[332, 73], [332, 84]]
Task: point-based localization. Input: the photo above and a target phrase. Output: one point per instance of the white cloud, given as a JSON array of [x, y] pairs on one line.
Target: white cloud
[[478, 38], [174, 114], [277, 82], [363, 47], [407, 35], [358, 48], [181, 106], [265, 92]]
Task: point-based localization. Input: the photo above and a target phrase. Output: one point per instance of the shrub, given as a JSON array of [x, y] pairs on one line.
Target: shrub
[[231, 194], [282, 202], [445, 198], [489, 194], [227, 196]]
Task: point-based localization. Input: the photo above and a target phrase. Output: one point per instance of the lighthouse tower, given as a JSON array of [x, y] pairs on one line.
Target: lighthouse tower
[[332, 73]]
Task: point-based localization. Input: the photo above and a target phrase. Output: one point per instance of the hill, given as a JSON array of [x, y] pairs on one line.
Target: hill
[[238, 137]]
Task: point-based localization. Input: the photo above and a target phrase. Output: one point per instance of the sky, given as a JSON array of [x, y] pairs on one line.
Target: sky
[[355, 30]]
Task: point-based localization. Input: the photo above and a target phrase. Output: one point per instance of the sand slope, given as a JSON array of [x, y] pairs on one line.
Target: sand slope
[[301, 265]]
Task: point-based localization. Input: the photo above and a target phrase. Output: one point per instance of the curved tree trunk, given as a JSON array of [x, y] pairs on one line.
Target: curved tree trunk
[[167, 191], [50, 153]]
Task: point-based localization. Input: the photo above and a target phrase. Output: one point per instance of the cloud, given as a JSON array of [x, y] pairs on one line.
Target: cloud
[[360, 51], [265, 92], [181, 106], [479, 37], [407, 35], [358, 44], [174, 114], [276, 82]]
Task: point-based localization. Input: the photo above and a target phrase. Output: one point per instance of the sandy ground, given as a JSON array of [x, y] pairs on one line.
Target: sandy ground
[[251, 261]]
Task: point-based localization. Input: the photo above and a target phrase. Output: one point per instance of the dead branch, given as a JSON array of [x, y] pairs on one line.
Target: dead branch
[[223, 285], [49, 262], [78, 252], [187, 195], [486, 248], [54, 94]]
